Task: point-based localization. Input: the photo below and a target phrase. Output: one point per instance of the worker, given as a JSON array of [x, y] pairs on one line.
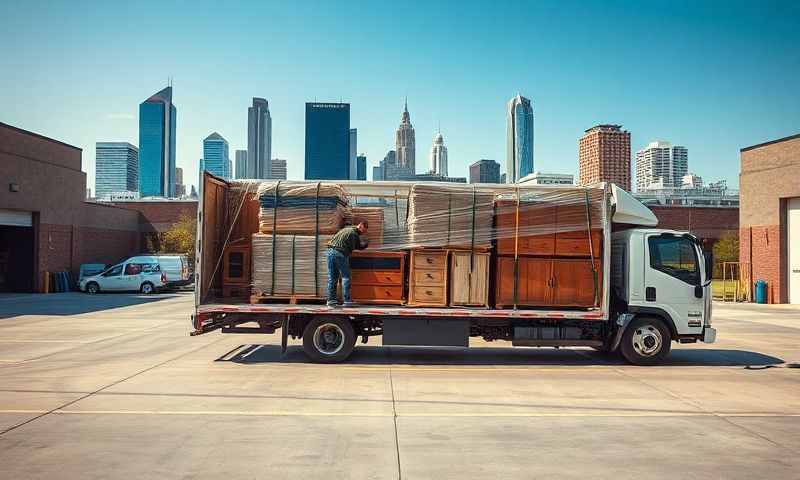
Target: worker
[[340, 247]]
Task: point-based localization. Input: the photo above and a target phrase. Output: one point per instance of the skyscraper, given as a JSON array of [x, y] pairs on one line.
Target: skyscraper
[[259, 139], [604, 155], [278, 169], [661, 165], [361, 167], [405, 143], [519, 138], [157, 145], [241, 164], [484, 171], [353, 154], [116, 168], [215, 156], [438, 156], [180, 188], [327, 141]]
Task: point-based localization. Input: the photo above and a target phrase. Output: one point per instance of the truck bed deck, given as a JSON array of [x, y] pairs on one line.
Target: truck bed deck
[[399, 311]]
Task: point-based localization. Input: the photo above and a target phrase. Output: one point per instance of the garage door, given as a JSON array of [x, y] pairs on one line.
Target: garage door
[[16, 218], [793, 248]]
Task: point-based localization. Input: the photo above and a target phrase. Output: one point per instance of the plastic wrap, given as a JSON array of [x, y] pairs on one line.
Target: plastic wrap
[[555, 222]]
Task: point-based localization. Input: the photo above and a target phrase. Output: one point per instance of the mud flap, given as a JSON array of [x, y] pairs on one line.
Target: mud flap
[[284, 334]]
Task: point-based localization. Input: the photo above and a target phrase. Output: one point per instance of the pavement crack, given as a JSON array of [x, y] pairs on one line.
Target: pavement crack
[[112, 384], [394, 419]]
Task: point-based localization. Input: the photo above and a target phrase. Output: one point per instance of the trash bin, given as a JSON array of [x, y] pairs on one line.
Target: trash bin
[[761, 291]]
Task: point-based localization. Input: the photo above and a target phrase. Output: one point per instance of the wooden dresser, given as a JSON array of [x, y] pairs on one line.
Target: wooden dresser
[[548, 282], [377, 277], [469, 278], [427, 279]]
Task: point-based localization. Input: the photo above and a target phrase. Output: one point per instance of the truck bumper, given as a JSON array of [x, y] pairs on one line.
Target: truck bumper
[[709, 335]]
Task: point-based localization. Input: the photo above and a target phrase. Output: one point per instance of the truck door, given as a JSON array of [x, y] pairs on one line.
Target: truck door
[[672, 273]]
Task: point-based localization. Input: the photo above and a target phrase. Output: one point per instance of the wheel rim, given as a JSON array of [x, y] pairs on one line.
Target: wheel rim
[[146, 288], [92, 288], [329, 339], [647, 340]]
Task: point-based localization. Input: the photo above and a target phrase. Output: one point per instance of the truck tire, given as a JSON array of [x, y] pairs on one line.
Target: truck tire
[[646, 341], [329, 340]]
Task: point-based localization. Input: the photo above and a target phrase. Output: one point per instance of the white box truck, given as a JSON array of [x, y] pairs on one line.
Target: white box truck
[[656, 291]]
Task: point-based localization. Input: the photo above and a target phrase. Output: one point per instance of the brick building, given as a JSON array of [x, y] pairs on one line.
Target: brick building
[[769, 216], [45, 223], [604, 155], [157, 216], [706, 223]]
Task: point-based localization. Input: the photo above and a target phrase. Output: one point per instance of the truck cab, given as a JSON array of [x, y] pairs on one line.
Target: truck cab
[[660, 276]]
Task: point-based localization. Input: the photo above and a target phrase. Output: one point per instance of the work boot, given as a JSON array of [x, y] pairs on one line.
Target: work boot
[[348, 304], [332, 303]]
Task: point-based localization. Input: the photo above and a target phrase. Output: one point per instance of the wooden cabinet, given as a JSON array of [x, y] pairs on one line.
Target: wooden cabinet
[[377, 277], [469, 278], [427, 282], [236, 263], [545, 282]]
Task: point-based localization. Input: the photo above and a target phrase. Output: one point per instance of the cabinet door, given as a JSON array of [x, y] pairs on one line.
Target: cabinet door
[[533, 285], [573, 282], [469, 287]]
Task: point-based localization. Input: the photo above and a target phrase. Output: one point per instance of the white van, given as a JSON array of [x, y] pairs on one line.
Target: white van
[[142, 273], [176, 268]]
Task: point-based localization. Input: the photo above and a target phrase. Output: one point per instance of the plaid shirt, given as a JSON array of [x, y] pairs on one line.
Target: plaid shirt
[[346, 240]]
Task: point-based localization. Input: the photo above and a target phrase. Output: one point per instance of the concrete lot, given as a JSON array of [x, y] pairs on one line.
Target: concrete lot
[[112, 386]]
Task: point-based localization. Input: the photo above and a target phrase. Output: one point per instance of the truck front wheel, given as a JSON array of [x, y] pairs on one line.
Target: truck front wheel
[[646, 341], [329, 340]]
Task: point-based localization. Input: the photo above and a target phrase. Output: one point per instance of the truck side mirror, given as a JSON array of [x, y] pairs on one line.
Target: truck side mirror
[[698, 291]]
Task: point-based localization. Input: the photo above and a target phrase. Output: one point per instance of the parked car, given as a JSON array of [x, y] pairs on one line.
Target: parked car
[[140, 273], [176, 268]]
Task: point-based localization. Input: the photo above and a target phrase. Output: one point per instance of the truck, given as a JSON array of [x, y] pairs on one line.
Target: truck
[[655, 291]]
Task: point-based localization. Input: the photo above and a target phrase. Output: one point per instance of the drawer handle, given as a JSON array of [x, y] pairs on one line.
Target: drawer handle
[[429, 259], [388, 293], [388, 279], [428, 292], [429, 275]]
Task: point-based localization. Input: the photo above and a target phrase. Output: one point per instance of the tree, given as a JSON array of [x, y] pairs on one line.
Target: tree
[[726, 249], [180, 238]]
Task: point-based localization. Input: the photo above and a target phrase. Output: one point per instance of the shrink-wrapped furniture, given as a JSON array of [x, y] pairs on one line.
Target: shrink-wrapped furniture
[[289, 265]]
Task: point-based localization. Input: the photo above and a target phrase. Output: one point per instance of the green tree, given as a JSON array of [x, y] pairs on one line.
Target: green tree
[[726, 249], [180, 238]]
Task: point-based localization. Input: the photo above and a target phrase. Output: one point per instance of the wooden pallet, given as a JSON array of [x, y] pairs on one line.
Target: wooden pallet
[[290, 299]]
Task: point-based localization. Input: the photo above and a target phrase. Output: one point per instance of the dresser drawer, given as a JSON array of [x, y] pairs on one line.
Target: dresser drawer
[[430, 259], [428, 277], [374, 277], [375, 293], [428, 295]]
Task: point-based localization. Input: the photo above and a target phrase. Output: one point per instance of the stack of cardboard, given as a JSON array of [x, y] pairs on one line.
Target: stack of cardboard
[[452, 216], [287, 266], [304, 209], [374, 217]]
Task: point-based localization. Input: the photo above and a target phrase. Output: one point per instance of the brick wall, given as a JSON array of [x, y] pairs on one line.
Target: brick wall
[[766, 257], [158, 216], [708, 223]]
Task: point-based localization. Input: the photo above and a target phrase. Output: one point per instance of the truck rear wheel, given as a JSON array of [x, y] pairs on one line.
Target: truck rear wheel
[[329, 340], [646, 341]]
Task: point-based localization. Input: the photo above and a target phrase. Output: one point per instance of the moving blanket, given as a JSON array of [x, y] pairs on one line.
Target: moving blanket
[[294, 263]]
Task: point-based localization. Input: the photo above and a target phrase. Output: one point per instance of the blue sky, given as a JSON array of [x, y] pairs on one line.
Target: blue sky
[[713, 76]]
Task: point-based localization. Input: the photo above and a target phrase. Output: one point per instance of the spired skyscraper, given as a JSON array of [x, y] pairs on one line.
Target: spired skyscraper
[[157, 145], [405, 143], [259, 140], [116, 168], [519, 139], [327, 141], [438, 156], [215, 156]]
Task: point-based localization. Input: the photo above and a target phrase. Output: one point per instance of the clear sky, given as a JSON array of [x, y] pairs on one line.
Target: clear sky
[[712, 76]]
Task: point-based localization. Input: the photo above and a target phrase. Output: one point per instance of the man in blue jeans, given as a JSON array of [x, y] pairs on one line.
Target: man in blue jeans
[[339, 249]]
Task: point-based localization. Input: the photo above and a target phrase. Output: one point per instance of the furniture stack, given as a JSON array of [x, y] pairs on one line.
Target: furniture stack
[[450, 216], [289, 266], [548, 251], [374, 216], [427, 279], [302, 208]]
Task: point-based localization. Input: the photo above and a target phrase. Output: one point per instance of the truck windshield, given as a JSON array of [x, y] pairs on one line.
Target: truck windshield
[[675, 256]]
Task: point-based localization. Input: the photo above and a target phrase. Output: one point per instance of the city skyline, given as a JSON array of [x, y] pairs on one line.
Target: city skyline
[[731, 89]]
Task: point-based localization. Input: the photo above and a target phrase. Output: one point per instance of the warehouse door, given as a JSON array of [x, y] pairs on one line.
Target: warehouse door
[[16, 251], [793, 248]]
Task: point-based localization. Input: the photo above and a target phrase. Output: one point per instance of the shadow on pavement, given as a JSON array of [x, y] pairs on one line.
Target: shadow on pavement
[[71, 303], [379, 355]]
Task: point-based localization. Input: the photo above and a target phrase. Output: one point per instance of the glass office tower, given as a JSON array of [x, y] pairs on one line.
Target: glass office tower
[[215, 156], [157, 145], [327, 141], [519, 139], [361, 167], [116, 168]]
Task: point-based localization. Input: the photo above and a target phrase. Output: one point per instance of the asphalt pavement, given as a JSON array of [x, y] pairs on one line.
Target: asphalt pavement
[[112, 386]]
